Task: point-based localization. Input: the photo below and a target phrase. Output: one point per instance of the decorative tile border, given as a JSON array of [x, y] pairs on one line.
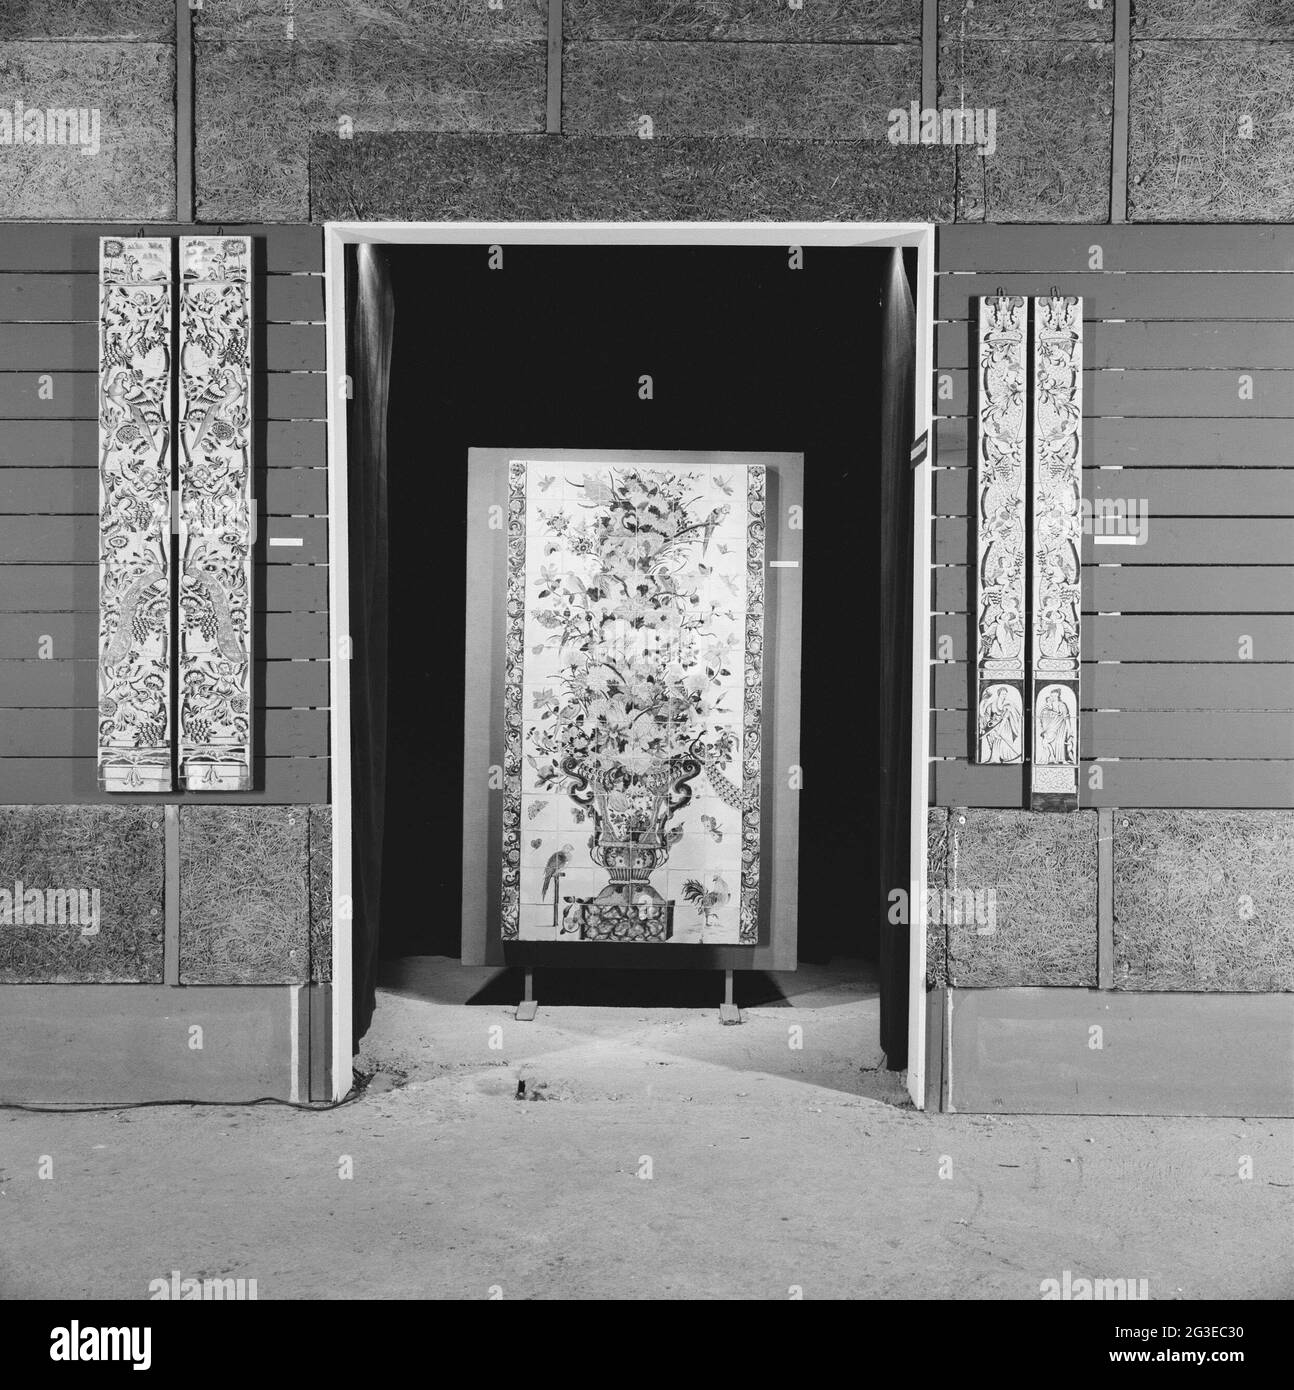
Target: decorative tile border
[[515, 650], [753, 704], [1057, 549], [134, 745], [1000, 530], [216, 514]]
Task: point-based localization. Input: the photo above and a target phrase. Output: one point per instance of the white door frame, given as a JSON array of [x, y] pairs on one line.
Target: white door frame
[[337, 235]]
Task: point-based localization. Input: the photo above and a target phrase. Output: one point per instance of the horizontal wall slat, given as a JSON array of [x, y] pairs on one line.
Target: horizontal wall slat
[[41, 395], [1138, 296], [1126, 734], [1171, 540], [73, 781], [73, 635], [70, 246], [73, 684], [75, 589], [1021, 248], [1249, 685], [75, 540], [1200, 637], [73, 491], [1139, 782], [75, 298], [74, 347], [1183, 394], [1242, 346], [62, 443], [62, 733], [1195, 443], [1157, 589], [1161, 491]]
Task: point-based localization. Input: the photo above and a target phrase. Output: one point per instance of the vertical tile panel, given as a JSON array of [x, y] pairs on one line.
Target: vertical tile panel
[[134, 743], [216, 514], [1057, 548], [1000, 533]]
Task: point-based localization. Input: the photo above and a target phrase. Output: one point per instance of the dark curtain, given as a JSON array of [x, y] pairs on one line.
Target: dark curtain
[[370, 320], [898, 332]]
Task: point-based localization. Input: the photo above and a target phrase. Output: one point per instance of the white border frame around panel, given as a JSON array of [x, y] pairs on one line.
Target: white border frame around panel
[[338, 235]]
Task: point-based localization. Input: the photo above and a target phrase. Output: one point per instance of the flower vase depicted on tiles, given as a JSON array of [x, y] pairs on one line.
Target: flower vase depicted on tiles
[[632, 703]]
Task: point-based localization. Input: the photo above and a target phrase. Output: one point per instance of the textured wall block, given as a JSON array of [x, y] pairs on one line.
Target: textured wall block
[[937, 838], [257, 105], [411, 22], [614, 179], [1189, 156], [1189, 19], [872, 21], [321, 894], [244, 895], [112, 856], [122, 164], [828, 91], [89, 19], [1204, 900], [1054, 109], [1027, 19], [1022, 898]]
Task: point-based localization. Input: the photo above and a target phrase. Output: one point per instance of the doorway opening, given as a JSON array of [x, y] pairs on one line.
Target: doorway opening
[[530, 337]]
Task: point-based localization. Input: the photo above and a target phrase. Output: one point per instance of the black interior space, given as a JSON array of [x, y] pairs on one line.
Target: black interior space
[[744, 353]]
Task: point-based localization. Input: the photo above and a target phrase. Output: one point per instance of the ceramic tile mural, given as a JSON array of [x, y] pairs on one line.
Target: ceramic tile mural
[[632, 703], [215, 675], [134, 515]]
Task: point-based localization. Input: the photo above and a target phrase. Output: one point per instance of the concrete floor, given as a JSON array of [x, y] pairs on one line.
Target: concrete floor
[[772, 1168]]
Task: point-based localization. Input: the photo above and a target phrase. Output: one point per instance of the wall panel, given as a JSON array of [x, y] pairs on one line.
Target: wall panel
[[49, 499], [1188, 638]]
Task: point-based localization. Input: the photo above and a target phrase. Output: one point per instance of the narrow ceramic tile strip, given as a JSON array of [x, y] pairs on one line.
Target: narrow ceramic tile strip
[[215, 431], [1000, 535], [748, 931], [134, 743], [515, 649], [1057, 549]]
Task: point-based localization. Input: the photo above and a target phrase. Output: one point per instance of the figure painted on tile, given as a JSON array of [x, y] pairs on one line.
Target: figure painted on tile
[[1000, 723], [1057, 727]]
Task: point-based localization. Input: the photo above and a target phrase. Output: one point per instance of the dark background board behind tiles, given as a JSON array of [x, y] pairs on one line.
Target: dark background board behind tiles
[[744, 354]]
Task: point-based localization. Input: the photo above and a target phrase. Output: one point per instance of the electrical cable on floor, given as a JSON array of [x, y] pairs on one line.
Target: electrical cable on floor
[[354, 1094]]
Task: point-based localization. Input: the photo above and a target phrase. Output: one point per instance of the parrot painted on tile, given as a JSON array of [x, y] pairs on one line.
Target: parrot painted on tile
[[557, 863]]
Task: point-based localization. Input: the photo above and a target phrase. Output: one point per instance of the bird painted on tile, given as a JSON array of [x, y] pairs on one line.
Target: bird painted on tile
[[711, 523], [556, 865], [673, 835], [710, 899]]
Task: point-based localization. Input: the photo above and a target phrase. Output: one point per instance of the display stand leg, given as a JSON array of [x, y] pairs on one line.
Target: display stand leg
[[728, 1011], [526, 1009]]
